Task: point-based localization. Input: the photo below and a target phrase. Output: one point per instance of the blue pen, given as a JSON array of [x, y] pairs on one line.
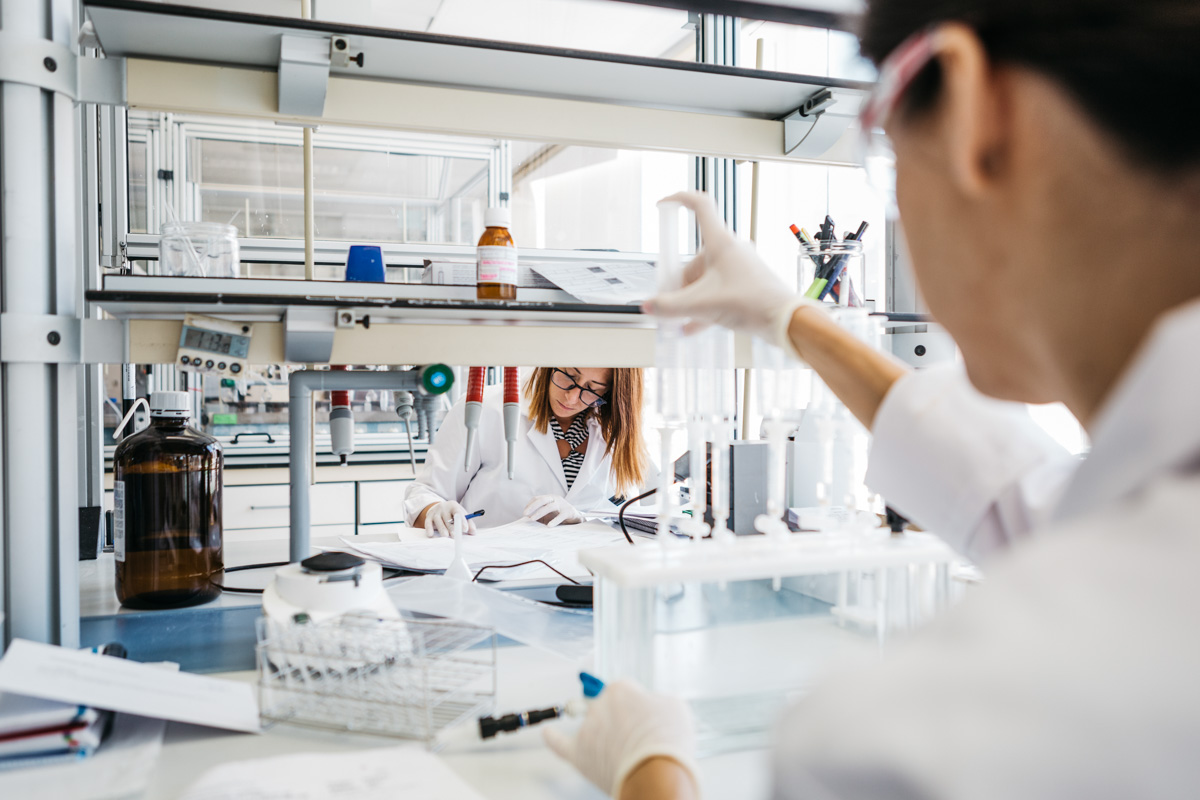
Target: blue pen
[[478, 513]]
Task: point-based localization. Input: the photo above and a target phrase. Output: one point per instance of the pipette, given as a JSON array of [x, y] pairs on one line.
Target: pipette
[[490, 726], [512, 414], [471, 412], [341, 421]]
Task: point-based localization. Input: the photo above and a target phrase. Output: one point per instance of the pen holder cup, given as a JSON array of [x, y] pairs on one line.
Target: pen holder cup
[[364, 262], [198, 250], [827, 263]]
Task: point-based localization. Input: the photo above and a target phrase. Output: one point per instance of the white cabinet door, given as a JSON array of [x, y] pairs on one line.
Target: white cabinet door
[[267, 506], [381, 501]]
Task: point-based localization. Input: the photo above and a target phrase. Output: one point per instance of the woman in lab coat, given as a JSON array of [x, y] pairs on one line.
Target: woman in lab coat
[[1053, 230], [579, 444]]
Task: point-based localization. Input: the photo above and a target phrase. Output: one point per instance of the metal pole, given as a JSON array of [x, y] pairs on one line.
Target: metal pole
[[301, 385], [39, 264], [310, 216]]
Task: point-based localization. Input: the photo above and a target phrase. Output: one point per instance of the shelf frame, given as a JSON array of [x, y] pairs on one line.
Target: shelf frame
[[189, 60]]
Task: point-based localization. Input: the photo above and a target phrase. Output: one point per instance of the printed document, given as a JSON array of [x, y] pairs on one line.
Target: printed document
[[115, 684], [383, 774]]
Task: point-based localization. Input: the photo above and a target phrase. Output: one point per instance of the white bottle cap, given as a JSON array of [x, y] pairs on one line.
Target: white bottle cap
[[170, 404], [497, 218]]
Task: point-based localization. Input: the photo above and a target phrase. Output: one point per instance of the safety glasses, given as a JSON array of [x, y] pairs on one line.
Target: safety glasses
[[896, 74], [564, 381]]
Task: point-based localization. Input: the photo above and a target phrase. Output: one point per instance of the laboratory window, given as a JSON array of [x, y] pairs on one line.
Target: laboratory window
[[596, 25], [803, 50]]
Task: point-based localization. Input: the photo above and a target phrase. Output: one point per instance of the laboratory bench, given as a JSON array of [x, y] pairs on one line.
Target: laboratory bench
[[218, 636], [214, 637], [515, 765]]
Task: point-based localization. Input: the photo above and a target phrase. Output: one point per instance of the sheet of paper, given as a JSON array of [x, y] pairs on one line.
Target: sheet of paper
[[383, 774], [615, 282], [525, 533], [435, 555], [120, 768], [522, 540], [83, 677]]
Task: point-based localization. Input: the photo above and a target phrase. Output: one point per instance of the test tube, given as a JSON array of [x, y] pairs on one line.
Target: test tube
[[671, 397], [712, 406], [778, 393]]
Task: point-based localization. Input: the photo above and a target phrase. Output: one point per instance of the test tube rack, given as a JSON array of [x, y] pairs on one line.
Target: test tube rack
[[411, 679]]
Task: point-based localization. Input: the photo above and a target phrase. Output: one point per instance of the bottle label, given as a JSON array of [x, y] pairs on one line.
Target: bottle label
[[119, 520], [496, 265]]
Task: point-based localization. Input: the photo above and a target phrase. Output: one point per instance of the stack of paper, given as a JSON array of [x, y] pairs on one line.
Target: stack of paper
[[462, 273], [602, 282], [35, 732]]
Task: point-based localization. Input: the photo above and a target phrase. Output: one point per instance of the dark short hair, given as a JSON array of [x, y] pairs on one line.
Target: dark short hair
[[1133, 65]]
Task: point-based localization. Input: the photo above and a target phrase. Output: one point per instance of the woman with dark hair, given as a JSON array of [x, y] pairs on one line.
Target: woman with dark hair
[[1047, 172], [579, 443]]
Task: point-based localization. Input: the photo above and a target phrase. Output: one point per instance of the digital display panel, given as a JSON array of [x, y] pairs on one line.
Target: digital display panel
[[225, 344]]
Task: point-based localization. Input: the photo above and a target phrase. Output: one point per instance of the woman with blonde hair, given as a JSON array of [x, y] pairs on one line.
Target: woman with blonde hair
[[579, 447]]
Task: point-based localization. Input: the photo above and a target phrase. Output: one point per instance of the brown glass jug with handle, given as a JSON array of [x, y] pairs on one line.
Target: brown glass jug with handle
[[167, 510]]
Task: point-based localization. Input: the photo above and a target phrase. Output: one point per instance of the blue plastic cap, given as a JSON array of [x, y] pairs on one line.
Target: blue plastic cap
[[592, 686], [438, 379]]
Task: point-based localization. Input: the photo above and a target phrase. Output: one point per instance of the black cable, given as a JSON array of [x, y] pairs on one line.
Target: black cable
[[523, 563], [239, 590], [621, 513]]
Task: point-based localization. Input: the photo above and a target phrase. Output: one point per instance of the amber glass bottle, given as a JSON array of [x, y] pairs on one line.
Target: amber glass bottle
[[167, 510], [496, 258]]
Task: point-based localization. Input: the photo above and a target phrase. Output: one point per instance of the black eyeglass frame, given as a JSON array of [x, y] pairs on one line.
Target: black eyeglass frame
[[599, 401]]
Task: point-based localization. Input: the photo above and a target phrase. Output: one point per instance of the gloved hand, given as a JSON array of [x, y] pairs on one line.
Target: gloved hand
[[728, 284], [551, 510], [624, 726], [440, 519]]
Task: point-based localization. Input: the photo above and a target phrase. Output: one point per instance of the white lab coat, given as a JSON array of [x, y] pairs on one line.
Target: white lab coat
[[485, 483], [976, 470], [1074, 671]]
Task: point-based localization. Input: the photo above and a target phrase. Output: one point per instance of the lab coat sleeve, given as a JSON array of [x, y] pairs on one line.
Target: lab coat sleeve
[[443, 477], [978, 472]]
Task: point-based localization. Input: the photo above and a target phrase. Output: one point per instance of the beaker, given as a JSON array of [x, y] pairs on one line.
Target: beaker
[[198, 250]]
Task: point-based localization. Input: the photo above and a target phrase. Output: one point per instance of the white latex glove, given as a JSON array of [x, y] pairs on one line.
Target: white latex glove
[[624, 726], [552, 510], [728, 284], [441, 518]]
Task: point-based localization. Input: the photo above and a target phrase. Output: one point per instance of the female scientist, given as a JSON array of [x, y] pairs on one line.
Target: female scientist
[[1053, 227], [579, 443]]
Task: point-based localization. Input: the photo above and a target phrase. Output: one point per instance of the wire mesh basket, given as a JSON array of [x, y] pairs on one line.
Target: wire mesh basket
[[411, 679]]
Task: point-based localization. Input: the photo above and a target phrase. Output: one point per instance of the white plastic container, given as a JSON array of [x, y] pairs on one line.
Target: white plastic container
[[704, 622], [198, 250]]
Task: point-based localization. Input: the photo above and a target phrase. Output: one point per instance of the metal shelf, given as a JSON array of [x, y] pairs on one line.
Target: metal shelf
[[197, 60], [134, 28], [409, 323]]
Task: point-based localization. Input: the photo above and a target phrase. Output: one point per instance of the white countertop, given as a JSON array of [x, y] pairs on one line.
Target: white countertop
[[515, 765]]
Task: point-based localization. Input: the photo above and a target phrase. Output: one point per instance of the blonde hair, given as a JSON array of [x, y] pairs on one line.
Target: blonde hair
[[620, 421]]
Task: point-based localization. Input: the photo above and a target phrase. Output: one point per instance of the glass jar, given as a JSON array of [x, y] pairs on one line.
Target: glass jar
[[167, 510], [823, 266], [198, 250], [496, 258]]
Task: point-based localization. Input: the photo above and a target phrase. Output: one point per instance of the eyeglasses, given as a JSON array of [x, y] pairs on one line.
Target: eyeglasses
[[564, 381], [896, 74]]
